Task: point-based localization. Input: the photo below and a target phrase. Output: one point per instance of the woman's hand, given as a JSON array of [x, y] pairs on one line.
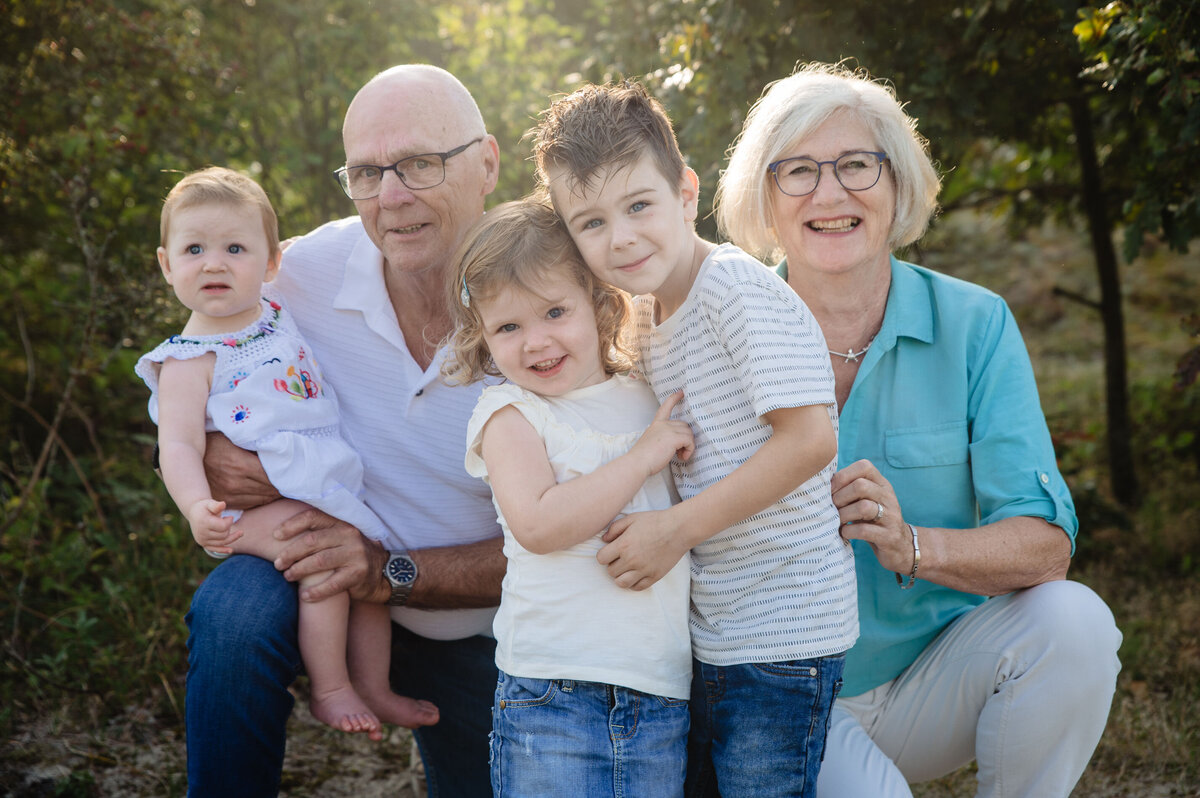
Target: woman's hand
[[235, 475], [869, 510]]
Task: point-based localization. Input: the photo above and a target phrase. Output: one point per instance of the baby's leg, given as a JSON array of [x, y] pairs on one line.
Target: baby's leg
[[323, 649], [257, 524], [370, 657]]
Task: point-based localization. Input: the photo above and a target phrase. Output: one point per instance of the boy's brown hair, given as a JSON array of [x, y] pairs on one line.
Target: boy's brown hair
[[598, 127], [217, 185], [516, 245]]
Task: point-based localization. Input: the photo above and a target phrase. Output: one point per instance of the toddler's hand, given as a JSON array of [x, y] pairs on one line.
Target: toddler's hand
[[209, 528], [664, 438]]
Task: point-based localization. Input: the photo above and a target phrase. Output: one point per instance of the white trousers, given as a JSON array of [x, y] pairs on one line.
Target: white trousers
[[1022, 684]]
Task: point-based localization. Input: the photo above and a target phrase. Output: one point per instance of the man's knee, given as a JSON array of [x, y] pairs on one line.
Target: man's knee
[[242, 604]]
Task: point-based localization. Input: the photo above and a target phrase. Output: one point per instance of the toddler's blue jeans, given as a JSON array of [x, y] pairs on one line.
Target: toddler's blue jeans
[[556, 737]]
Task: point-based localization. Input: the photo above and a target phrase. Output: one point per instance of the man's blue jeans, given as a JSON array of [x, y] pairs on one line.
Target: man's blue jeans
[[759, 729], [555, 737], [243, 656]]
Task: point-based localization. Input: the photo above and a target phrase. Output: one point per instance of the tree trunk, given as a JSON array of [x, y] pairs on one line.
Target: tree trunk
[[1120, 449]]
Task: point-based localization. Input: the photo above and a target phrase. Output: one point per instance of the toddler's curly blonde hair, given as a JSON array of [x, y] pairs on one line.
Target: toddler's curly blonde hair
[[519, 244]]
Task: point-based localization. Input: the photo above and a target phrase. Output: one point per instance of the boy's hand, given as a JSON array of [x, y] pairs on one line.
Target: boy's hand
[[664, 438], [642, 548], [209, 528]]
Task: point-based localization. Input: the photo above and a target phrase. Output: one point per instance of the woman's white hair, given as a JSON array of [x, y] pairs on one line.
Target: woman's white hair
[[793, 108]]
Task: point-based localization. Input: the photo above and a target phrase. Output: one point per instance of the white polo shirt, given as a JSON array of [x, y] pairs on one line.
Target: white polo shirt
[[407, 425]]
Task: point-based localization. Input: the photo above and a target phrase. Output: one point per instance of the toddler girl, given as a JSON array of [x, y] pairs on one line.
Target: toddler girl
[[593, 681]]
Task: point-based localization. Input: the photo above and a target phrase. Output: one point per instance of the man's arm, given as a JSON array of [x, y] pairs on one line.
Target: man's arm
[[236, 475], [449, 577]]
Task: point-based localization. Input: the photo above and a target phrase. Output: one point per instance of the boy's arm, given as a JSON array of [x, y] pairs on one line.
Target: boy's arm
[[183, 387], [642, 547], [546, 515]]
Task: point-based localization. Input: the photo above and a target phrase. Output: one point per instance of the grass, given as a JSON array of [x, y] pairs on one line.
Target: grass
[[91, 677]]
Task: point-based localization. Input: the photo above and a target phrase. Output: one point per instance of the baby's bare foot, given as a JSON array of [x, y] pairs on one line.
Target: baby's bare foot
[[401, 710], [343, 710]]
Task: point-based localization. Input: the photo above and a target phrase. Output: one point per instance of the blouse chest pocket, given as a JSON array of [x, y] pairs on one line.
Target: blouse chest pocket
[[922, 447]]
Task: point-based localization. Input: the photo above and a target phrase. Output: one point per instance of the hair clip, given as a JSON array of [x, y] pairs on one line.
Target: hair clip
[[464, 296]]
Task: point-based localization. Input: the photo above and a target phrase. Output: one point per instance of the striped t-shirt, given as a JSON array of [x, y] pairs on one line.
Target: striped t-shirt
[[779, 585]]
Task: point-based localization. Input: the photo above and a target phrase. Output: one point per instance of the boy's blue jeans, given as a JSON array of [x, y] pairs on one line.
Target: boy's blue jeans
[[560, 737], [243, 656], [759, 729]]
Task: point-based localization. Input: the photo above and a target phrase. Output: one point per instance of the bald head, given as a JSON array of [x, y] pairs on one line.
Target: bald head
[[423, 89]]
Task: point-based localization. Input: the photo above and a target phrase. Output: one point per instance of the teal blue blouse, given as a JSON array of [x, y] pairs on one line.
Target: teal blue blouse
[[946, 407]]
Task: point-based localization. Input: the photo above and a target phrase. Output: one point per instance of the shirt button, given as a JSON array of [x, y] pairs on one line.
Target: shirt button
[[1045, 479]]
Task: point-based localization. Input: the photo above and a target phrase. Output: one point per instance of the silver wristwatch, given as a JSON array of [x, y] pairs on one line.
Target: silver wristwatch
[[400, 572]]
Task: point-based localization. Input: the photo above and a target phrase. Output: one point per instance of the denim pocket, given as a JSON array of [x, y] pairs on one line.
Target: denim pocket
[[515, 692]]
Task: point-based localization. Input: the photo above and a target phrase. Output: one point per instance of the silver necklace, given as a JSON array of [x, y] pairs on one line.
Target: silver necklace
[[852, 356]]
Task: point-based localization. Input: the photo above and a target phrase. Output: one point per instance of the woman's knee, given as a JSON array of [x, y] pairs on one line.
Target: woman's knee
[[1071, 622]]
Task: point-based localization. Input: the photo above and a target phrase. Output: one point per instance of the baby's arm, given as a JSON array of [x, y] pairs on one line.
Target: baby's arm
[[183, 387], [546, 515], [644, 546]]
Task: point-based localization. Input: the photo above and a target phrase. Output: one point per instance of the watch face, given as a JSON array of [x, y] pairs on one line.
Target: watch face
[[401, 570]]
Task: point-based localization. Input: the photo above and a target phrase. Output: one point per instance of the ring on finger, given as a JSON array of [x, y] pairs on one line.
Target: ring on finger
[[879, 514]]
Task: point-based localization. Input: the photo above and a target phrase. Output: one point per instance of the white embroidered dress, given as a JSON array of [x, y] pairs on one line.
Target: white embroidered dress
[[268, 395]]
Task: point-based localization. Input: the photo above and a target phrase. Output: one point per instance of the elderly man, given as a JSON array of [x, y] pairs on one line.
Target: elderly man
[[367, 293]]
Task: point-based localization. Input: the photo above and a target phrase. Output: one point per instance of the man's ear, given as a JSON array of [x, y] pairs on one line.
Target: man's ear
[[689, 191], [164, 263], [273, 266]]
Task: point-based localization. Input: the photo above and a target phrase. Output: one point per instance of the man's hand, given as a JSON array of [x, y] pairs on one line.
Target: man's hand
[[235, 475], [319, 542], [642, 548]]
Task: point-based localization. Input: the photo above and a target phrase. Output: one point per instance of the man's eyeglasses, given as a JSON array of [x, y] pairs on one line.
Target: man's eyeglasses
[[856, 171], [416, 171]]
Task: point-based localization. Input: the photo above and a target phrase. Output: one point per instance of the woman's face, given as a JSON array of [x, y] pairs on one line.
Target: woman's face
[[832, 230]]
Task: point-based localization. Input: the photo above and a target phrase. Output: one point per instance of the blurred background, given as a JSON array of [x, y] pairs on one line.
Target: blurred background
[[1066, 134]]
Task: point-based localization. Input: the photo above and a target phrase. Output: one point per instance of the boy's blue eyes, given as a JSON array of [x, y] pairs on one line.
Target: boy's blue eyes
[[194, 249], [636, 207]]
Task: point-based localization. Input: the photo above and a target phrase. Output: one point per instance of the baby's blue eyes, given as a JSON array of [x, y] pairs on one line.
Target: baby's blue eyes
[[638, 206], [232, 249], [556, 313], [507, 327]]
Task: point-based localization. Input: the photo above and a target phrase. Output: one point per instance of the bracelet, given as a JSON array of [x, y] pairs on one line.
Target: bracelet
[[912, 575]]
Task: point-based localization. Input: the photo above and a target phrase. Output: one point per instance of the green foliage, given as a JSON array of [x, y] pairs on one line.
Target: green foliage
[[1143, 58]]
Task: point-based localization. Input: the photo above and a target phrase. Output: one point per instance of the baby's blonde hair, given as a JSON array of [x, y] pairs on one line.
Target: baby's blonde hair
[[519, 244], [217, 185]]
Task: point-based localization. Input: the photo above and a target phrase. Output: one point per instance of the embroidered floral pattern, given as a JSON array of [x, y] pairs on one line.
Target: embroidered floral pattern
[[240, 414], [264, 327], [300, 384], [236, 378]]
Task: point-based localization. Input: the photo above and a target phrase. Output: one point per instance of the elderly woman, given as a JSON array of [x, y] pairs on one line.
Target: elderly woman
[[947, 485]]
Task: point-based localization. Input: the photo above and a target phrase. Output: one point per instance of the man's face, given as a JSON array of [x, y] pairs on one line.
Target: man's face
[[418, 230]]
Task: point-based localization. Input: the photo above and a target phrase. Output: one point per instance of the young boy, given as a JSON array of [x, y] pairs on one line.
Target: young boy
[[773, 586]]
